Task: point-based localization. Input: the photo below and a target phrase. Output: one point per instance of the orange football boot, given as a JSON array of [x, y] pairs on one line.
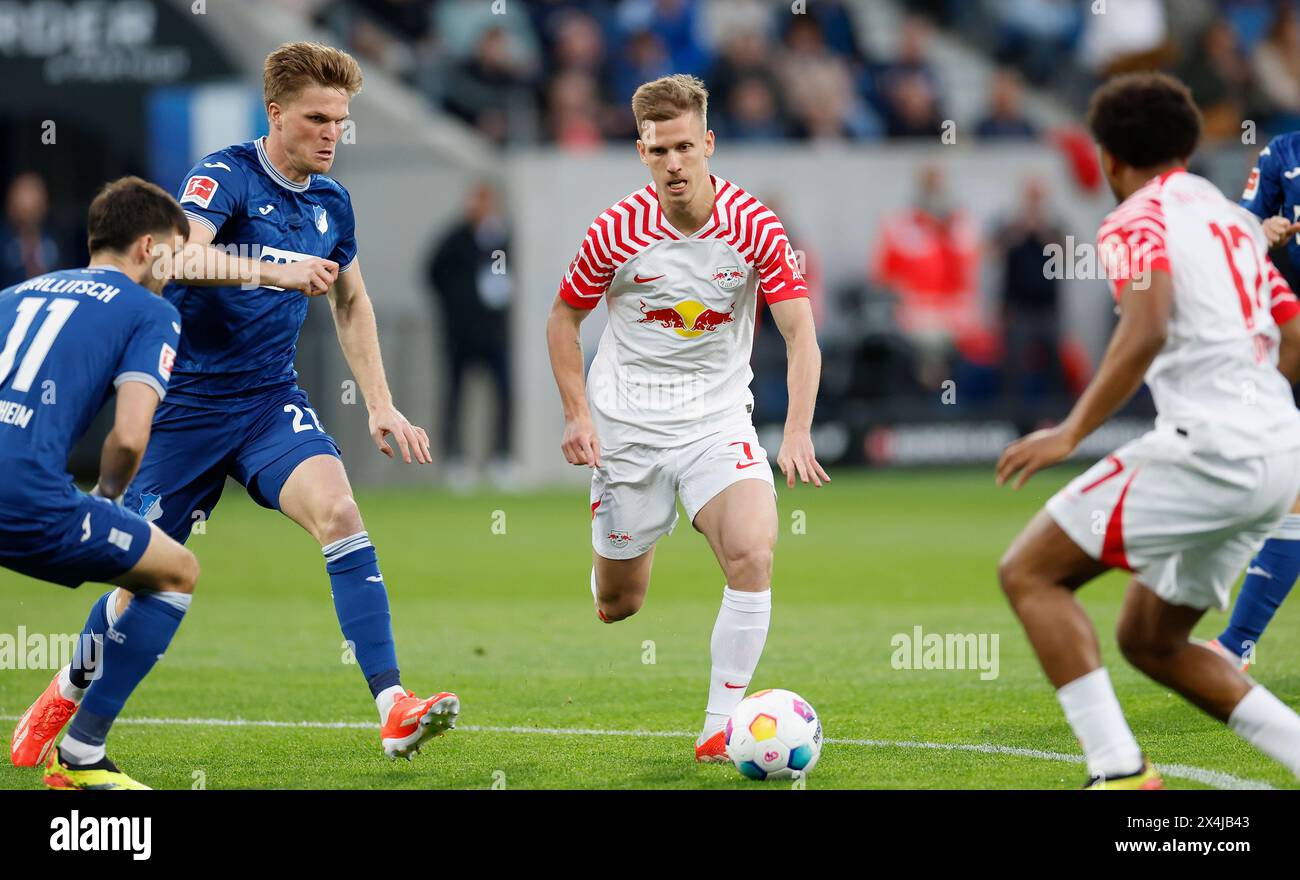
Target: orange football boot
[[1219, 648], [36, 731], [713, 750], [413, 720]]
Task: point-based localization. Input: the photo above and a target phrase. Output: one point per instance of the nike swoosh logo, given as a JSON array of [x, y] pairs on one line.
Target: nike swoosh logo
[[637, 279], [740, 466], [734, 687]]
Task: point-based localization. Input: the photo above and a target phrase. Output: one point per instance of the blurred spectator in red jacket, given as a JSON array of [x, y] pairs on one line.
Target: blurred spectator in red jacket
[[928, 255]]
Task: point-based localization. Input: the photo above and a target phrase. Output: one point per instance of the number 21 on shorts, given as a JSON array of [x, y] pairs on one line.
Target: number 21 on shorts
[[299, 423]]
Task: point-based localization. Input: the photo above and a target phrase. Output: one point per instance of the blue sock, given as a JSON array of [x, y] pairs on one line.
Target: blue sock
[[90, 643], [1269, 578], [131, 647], [361, 602]]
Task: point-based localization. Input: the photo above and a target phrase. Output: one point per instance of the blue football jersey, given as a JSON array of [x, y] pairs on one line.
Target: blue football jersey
[[69, 338], [237, 341], [1274, 185]]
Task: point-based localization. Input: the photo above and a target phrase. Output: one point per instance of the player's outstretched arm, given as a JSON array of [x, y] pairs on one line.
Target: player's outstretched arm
[[1138, 338], [564, 341], [794, 318], [124, 447], [354, 319], [203, 265]]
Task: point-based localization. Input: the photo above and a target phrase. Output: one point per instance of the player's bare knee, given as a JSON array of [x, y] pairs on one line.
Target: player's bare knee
[[184, 575], [1136, 649], [342, 519], [621, 608], [1012, 576], [1143, 647], [749, 565]]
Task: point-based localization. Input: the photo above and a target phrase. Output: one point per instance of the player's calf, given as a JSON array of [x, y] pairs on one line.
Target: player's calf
[[1155, 636]]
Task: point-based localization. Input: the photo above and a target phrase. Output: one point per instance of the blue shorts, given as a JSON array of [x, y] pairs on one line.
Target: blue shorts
[[84, 539], [258, 441]]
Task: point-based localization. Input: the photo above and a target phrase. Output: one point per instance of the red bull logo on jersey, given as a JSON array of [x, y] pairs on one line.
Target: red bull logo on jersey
[[687, 318], [729, 277]]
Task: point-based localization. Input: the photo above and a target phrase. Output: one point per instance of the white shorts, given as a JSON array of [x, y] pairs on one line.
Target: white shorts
[[635, 490], [1186, 523]]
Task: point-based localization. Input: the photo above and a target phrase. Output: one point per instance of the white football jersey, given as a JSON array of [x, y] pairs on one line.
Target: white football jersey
[[1216, 379], [673, 362]]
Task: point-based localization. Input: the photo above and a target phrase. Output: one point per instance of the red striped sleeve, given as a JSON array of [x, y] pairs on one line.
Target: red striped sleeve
[[1131, 241], [591, 270], [1282, 300], [760, 238], [613, 238]]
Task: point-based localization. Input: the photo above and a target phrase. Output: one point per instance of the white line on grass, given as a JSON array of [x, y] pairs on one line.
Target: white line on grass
[[1212, 778]]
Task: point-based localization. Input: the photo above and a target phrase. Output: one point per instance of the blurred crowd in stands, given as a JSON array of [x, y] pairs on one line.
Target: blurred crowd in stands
[[563, 71], [1241, 58]]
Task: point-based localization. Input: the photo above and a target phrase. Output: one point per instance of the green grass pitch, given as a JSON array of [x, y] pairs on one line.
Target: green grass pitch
[[490, 599]]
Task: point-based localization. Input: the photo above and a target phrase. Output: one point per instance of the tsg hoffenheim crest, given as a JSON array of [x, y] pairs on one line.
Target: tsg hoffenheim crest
[[322, 219]]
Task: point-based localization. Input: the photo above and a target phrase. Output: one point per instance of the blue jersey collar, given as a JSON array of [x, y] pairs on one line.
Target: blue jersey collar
[[269, 167]]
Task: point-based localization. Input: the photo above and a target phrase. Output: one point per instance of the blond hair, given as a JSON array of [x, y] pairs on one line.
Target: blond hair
[[669, 97], [295, 66]]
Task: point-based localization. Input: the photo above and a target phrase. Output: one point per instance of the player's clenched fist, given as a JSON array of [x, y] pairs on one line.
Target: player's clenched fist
[[1278, 229], [312, 276], [581, 445]]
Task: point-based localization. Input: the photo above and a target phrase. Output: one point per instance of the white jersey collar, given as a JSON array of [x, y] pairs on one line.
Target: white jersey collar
[[269, 167]]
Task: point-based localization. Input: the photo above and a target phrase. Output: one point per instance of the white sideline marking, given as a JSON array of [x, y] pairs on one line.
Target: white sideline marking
[[1213, 778]]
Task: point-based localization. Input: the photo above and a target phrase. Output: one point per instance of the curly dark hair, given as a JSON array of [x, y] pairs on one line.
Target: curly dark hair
[[1145, 119]]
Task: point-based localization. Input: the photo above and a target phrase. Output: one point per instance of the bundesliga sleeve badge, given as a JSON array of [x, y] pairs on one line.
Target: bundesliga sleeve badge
[[166, 360], [1252, 186], [199, 190]]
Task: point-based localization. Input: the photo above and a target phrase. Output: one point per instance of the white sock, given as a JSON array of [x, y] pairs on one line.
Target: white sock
[[1093, 711], [713, 722], [385, 699], [594, 595], [78, 752], [738, 637], [1269, 725], [1289, 530], [67, 689], [110, 609]]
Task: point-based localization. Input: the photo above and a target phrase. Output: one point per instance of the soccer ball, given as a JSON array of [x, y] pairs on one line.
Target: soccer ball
[[774, 734]]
